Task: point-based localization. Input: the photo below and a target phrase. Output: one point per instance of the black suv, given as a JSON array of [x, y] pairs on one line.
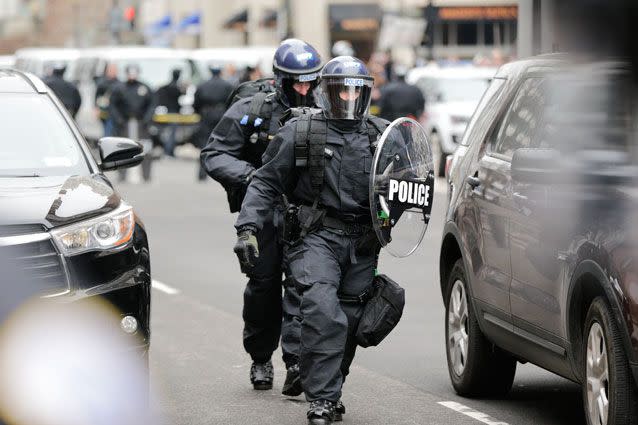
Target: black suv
[[537, 266], [65, 233]]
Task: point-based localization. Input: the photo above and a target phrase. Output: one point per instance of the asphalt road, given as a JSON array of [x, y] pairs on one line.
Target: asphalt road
[[200, 371]]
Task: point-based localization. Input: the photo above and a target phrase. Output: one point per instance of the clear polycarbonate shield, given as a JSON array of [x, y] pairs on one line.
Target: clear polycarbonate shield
[[402, 187]]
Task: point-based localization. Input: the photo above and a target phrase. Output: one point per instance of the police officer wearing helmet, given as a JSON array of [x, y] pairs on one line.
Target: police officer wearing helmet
[[64, 90], [210, 103], [334, 257], [131, 109], [232, 156]]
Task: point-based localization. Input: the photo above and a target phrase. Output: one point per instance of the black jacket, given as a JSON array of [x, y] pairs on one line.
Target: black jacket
[[344, 194], [231, 155], [168, 96], [400, 99], [132, 99], [66, 92], [210, 104]]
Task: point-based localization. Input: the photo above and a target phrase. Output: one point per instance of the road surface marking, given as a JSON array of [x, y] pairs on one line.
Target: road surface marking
[[164, 288], [467, 411]]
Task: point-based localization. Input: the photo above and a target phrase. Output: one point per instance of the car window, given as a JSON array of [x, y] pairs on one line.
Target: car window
[[47, 149], [490, 93], [521, 125]]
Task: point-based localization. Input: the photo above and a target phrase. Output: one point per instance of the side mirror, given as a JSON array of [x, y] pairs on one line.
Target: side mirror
[[538, 166], [119, 152]]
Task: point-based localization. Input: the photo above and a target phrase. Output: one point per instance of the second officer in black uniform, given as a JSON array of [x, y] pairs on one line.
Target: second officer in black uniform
[[334, 258], [64, 90], [232, 156]]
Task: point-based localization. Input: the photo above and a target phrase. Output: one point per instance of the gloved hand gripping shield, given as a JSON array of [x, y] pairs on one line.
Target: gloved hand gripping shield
[[402, 187]]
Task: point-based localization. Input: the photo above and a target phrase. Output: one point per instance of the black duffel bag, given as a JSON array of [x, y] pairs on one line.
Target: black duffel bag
[[382, 312]]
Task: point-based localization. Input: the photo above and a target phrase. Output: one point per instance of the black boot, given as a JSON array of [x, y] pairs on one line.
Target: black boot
[[261, 375], [321, 412], [340, 410], [292, 385]]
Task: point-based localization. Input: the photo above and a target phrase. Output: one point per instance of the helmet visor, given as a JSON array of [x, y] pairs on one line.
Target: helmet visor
[[298, 89], [345, 97]]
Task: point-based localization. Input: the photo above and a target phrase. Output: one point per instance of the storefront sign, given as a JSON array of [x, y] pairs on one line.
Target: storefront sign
[[477, 13]]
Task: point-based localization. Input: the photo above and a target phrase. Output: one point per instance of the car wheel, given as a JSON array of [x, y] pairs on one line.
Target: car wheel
[[609, 393], [437, 154], [477, 368]]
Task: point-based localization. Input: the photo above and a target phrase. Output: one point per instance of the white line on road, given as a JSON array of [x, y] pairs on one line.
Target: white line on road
[[467, 411], [164, 287]]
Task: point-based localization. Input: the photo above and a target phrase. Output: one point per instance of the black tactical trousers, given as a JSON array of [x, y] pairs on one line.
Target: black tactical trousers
[[263, 306], [323, 265]]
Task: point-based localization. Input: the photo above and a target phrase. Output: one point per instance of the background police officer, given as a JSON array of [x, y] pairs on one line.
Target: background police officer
[[232, 156], [103, 97], [131, 109], [336, 258], [167, 97], [400, 99], [210, 104], [64, 90]]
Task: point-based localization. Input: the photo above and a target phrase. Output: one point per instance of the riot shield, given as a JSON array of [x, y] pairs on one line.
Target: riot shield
[[402, 187]]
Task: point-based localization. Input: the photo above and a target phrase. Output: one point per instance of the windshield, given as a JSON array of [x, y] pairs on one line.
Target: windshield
[[453, 89], [157, 72], [48, 148]]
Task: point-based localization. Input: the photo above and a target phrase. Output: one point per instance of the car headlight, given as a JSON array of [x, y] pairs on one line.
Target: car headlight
[[108, 231]]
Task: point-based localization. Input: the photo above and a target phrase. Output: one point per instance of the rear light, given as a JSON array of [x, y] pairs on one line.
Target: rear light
[[448, 164]]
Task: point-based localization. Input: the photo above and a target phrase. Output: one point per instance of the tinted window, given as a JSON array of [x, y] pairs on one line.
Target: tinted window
[[36, 140], [521, 124], [489, 94]]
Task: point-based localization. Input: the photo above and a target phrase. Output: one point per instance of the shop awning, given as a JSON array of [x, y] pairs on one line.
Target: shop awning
[[237, 21], [355, 18], [269, 19], [191, 24]]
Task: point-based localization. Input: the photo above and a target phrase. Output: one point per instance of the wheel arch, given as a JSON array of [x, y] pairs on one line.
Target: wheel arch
[[588, 282]]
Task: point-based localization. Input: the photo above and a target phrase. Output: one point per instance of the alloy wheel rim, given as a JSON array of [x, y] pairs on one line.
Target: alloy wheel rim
[[457, 327], [597, 370]]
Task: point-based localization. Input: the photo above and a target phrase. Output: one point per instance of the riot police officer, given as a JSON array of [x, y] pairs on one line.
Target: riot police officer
[[232, 156], [131, 109], [210, 104], [64, 90], [334, 257]]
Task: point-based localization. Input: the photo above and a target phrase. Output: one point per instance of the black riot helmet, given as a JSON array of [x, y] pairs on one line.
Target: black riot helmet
[[296, 61], [345, 89]]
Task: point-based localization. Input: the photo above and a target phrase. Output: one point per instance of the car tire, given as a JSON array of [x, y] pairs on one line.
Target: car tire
[[477, 367], [606, 373], [438, 155]]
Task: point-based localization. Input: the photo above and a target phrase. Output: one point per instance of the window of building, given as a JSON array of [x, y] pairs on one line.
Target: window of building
[[467, 33]]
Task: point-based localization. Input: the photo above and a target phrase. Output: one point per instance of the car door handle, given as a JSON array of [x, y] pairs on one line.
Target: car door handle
[[473, 181]]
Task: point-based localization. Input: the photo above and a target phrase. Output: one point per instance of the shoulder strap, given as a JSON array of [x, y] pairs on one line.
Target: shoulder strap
[[310, 143], [376, 126]]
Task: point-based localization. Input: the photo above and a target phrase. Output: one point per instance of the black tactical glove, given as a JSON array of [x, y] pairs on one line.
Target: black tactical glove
[[246, 249]]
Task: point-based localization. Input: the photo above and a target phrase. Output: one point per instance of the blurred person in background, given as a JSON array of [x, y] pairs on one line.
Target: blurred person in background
[[232, 156], [400, 99], [251, 73], [210, 104], [131, 109], [64, 90], [166, 101], [230, 74], [377, 70], [105, 86]]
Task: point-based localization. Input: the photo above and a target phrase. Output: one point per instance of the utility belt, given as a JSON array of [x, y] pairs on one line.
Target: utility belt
[[299, 220]]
